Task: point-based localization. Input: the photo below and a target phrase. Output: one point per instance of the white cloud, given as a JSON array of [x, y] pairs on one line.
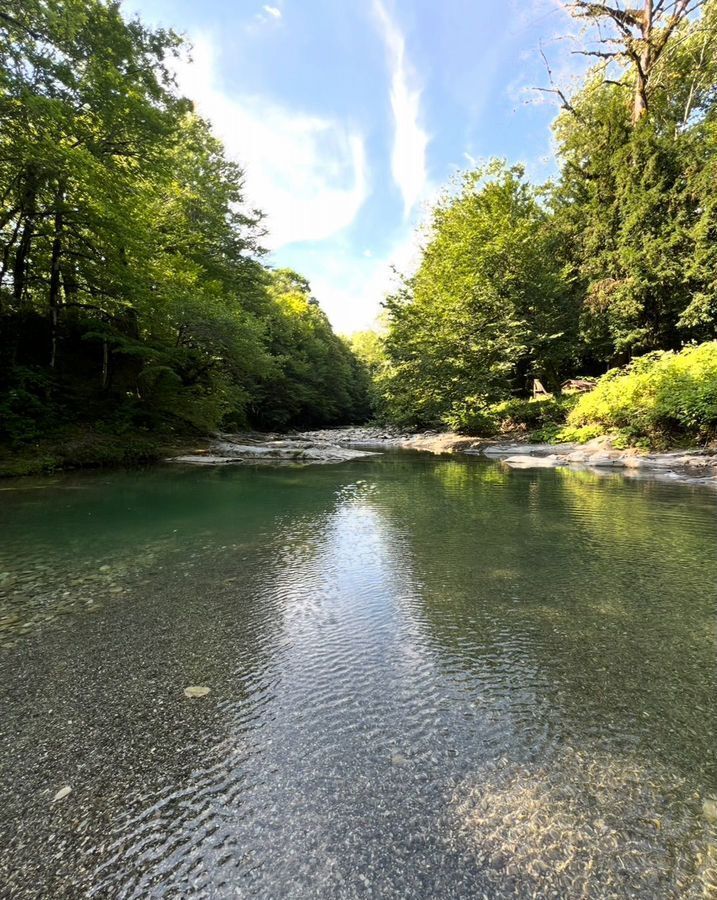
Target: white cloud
[[308, 173], [272, 11], [350, 288], [408, 159]]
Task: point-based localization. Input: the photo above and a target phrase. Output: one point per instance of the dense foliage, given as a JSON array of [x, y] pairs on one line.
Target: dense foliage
[[489, 305], [132, 295], [616, 258], [659, 397]]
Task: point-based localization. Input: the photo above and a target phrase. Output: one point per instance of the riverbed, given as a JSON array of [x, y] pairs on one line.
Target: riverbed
[[427, 677]]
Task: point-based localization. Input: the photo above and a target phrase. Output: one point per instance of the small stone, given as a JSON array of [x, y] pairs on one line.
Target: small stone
[[62, 793], [194, 691], [398, 760], [105, 568], [709, 809]]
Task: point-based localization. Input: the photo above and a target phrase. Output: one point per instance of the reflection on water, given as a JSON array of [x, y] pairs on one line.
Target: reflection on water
[[429, 678]]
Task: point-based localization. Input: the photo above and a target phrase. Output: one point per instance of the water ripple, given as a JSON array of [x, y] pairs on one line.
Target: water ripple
[[437, 679]]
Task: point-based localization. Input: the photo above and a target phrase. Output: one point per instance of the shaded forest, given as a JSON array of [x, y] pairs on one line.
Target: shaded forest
[[133, 297]]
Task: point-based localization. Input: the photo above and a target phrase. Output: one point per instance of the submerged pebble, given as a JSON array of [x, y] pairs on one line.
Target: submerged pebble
[[543, 819], [194, 691], [62, 793], [709, 809]]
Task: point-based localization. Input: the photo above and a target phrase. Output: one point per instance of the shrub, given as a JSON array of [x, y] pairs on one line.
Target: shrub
[[533, 414], [25, 408], [658, 397], [569, 434], [472, 416]]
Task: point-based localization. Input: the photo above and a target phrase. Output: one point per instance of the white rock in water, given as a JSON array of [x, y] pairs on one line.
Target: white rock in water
[[533, 462], [208, 459], [603, 460], [709, 809], [62, 793], [194, 691]]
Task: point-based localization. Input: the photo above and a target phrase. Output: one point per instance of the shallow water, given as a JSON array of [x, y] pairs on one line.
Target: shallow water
[[429, 678]]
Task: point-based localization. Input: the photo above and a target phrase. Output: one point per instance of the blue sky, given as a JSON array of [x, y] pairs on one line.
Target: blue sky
[[349, 116]]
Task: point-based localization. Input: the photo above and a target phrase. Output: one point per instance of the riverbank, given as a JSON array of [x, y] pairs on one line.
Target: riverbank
[[82, 449], [343, 444]]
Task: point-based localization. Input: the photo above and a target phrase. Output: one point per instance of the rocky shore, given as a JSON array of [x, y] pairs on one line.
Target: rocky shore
[[228, 449], [344, 444], [599, 456]]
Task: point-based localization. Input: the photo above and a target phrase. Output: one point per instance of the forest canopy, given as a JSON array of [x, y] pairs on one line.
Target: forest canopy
[[132, 289]]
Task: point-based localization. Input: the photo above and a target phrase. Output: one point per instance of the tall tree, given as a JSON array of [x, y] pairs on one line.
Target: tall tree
[[489, 308], [638, 37], [131, 283], [633, 196]]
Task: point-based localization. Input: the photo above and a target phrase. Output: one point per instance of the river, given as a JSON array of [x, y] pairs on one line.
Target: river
[[428, 678]]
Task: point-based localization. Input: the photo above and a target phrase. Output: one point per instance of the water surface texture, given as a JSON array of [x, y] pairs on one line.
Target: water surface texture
[[429, 678]]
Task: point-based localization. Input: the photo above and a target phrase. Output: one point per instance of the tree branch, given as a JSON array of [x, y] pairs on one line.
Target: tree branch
[[554, 89], [13, 21]]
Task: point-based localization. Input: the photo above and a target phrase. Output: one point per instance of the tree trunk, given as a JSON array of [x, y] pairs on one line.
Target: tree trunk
[[28, 213], [105, 365], [55, 274], [644, 66], [19, 269], [6, 252]]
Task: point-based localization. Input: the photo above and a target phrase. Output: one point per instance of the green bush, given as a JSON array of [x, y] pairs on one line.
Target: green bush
[[570, 434], [660, 397], [472, 416], [25, 408], [533, 414]]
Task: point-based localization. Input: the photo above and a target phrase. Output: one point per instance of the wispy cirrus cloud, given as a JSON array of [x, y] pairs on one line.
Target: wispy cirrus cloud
[[308, 173], [410, 141], [272, 11]]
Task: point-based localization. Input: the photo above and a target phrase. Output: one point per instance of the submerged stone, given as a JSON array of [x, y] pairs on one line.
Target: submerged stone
[[533, 462], [195, 691], [709, 809], [62, 793]]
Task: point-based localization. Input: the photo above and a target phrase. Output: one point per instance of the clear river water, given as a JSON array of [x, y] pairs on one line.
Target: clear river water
[[428, 678]]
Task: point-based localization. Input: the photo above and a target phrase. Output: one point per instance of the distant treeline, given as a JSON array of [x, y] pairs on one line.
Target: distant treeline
[[131, 288], [615, 258]]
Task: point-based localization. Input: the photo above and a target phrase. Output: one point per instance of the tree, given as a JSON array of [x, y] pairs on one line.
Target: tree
[[637, 205], [315, 377], [489, 308], [636, 37], [131, 283]]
